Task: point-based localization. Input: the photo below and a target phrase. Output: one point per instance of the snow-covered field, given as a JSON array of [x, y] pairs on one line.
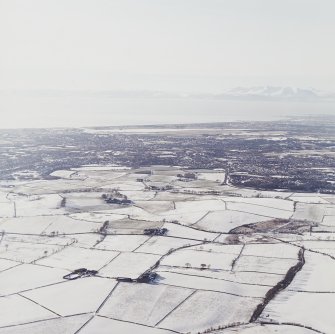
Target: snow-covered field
[[195, 257]]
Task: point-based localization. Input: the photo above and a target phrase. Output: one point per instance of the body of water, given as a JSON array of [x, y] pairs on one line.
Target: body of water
[[91, 111]]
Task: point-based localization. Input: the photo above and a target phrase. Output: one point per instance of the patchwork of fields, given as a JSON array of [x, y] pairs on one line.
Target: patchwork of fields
[[186, 254]]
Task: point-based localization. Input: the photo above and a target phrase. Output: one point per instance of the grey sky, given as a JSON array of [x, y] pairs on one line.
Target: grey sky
[[189, 45]]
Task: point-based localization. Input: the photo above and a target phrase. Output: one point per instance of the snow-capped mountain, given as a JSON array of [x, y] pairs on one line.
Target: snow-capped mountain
[[260, 93], [276, 93]]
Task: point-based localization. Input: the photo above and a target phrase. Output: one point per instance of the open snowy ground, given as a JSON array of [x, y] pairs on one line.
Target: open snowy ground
[[181, 254]]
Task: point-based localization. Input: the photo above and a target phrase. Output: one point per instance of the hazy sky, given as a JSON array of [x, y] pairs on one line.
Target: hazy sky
[[196, 46], [188, 45]]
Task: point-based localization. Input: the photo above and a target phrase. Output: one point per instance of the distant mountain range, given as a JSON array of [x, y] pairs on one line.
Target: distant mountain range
[[260, 93], [276, 93]]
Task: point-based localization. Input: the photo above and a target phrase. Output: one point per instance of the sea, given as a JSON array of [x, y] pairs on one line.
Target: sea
[[41, 112]]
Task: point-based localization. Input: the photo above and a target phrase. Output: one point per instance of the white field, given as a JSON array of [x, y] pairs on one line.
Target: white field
[[204, 205], [220, 309], [104, 326], [68, 225], [259, 210], [122, 243], [64, 174], [309, 199], [129, 265], [162, 245], [66, 325], [211, 284], [140, 195], [224, 221], [330, 210], [309, 212], [85, 201], [97, 217], [184, 217], [73, 258], [73, 297], [26, 225], [266, 329], [131, 226], [326, 247], [86, 240], [6, 209], [155, 206], [6, 264], [123, 185], [46, 241], [277, 250], [247, 278], [176, 197], [275, 203], [143, 303], [327, 221], [264, 264], [27, 276], [315, 310], [27, 252], [132, 212], [37, 239], [217, 177], [216, 261], [175, 230], [15, 310], [316, 274], [40, 205], [218, 248]]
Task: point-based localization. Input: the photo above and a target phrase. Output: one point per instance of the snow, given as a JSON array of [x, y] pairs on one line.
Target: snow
[[211, 284], [28, 276], [309, 199], [104, 326], [309, 212], [122, 243], [26, 225], [259, 210], [307, 309], [224, 221], [143, 303], [278, 250], [161, 245], [327, 220], [264, 264], [64, 174], [6, 264], [220, 309], [73, 297], [247, 278], [216, 261], [130, 265], [275, 203], [15, 310], [73, 258], [39, 205], [6, 209], [217, 177], [68, 325], [180, 231], [317, 274], [27, 252], [206, 276], [266, 329], [155, 206]]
